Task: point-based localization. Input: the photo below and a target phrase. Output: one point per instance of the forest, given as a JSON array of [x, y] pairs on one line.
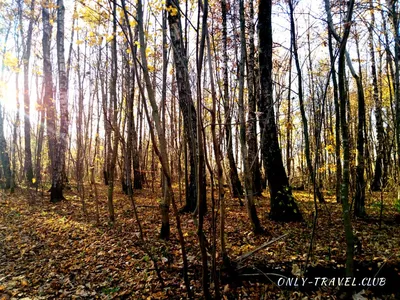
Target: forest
[[210, 149]]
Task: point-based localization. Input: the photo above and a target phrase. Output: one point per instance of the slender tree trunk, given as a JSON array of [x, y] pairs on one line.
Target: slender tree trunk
[[377, 183], [200, 172], [343, 96], [221, 193], [79, 130], [185, 100], [289, 125], [48, 91], [283, 206], [8, 169], [27, 122], [254, 164], [337, 119], [113, 104], [59, 175], [248, 180], [359, 209], [15, 139], [42, 118], [161, 139], [394, 18], [5, 159], [237, 189], [302, 109], [228, 132]]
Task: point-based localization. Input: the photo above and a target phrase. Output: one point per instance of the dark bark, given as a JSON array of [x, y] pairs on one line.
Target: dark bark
[[48, 95], [359, 200], [5, 159], [248, 182], [337, 119], [201, 189], [42, 120], [162, 155], [113, 104], [378, 181], [343, 97], [283, 206], [161, 138], [252, 144], [185, 100], [394, 19]]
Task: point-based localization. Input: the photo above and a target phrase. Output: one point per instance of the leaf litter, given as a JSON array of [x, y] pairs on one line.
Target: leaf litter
[[53, 251]]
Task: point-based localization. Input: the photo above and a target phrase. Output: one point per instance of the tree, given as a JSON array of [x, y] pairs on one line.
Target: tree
[[248, 179], [114, 121], [345, 131], [283, 206], [25, 58], [337, 113], [58, 175], [379, 180], [237, 188], [185, 99], [4, 157], [48, 92], [301, 101], [252, 143]]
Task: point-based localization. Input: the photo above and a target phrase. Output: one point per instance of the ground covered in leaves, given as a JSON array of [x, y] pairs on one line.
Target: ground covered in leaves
[[52, 251]]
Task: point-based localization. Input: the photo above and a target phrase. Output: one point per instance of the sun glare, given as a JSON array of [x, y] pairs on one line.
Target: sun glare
[[7, 97]]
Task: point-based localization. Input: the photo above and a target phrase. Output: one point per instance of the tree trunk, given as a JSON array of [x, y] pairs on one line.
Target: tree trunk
[[79, 130], [161, 154], [337, 119], [59, 175], [48, 91], [359, 208], [113, 104], [42, 117], [377, 183], [302, 109], [200, 174], [254, 164], [5, 159], [248, 180], [237, 189], [394, 18], [185, 100], [27, 122], [345, 134], [283, 206]]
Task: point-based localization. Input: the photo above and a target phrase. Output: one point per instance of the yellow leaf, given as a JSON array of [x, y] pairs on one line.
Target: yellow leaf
[[109, 38], [172, 10], [137, 44], [148, 52], [132, 23], [10, 60], [33, 180]]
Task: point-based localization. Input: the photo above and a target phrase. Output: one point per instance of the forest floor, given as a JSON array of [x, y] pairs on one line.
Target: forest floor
[[52, 251]]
